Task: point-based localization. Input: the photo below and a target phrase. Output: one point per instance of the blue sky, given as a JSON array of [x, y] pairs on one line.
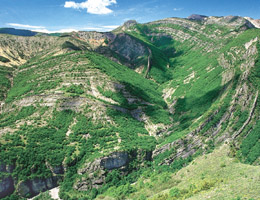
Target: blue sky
[[104, 15]]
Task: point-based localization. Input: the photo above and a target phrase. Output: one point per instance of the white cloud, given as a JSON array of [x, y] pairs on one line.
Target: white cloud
[[25, 26], [71, 4], [43, 29], [40, 29], [91, 28], [98, 7], [111, 27], [56, 31], [177, 9]]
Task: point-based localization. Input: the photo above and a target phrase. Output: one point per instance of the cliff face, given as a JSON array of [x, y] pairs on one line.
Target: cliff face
[[6, 181], [95, 172], [6, 186], [96, 112], [33, 187]]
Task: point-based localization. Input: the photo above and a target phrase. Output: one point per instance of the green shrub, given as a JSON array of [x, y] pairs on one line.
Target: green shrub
[[69, 45], [4, 59], [75, 89], [250, 145], [174, 192]]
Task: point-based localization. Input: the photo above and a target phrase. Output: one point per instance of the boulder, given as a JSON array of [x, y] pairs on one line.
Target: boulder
[[2, 167], [6, 186], [6, 168], [58, 169], [24, 189]]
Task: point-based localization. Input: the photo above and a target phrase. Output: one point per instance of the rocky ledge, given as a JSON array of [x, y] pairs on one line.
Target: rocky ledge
[[33, 187], [94, 173]]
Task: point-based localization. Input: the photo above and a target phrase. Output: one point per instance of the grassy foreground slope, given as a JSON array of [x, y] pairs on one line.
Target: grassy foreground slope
[[211, 176]]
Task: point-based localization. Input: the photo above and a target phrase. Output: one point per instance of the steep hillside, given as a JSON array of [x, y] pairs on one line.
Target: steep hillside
[[16, 50], [20, 32], [212, 176], [115, 115]]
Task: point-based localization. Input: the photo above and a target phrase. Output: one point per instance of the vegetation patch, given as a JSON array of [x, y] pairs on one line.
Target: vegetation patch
[[4, 59]]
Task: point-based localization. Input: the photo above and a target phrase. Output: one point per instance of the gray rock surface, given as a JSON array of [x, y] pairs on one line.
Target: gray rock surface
[[6, 168], [115, 161], [95, 170], [2, 167], [6, 186], [130, 23], [197, 17], [94, 173], [33, 187], [58, 170], [128, 47]]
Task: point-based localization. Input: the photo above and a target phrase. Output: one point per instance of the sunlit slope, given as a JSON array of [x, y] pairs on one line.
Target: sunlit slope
[[212, 176]]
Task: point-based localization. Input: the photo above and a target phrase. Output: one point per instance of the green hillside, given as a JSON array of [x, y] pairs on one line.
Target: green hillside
[[163, 110], [214, 176]]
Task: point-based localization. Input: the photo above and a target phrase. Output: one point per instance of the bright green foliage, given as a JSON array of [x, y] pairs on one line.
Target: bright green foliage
[[22, 114], [174, 192], [5, 84], [69, 45], [76, 90], [158, 115], [134, 82], [250, 147], [129, 130], [121, 192], [255, 73], [43, 196], [25, 82], [198, 98], [25, 112], [116, 96], [13, 197], [159, 60], [242, 38], [45, 142], [242, 117], [62, 119], [4, 59], [202, 178]]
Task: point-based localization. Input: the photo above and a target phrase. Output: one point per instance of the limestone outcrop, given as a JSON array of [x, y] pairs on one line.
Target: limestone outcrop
[[33, 187], [94, 173]]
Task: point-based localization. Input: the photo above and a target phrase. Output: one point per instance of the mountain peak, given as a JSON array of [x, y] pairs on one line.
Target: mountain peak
[[130, 23], [197, 17], [255, 22]]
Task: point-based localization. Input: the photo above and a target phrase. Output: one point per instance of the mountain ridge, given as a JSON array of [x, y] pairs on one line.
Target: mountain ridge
[[26, 32]]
